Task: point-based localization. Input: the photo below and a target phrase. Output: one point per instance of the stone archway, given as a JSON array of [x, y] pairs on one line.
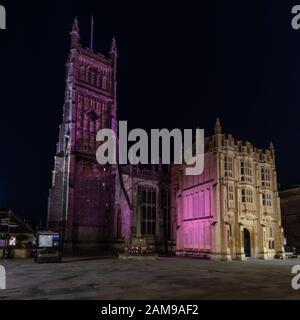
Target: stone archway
[[247, 243]]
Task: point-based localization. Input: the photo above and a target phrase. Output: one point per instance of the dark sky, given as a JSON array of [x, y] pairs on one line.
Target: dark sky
[[181, 65]]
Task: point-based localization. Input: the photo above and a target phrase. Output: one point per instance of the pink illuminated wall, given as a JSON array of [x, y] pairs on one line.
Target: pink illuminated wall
[[196, 209]]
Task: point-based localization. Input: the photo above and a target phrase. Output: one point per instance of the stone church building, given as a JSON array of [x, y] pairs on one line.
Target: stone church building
[[94, 205], [81, 199], [231, 211]]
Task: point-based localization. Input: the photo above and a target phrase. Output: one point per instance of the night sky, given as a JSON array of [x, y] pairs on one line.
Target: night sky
[[180, 65]]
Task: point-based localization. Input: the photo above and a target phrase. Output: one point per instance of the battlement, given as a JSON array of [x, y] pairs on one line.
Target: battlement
[[153, 174], [226, 142], [98, 57]]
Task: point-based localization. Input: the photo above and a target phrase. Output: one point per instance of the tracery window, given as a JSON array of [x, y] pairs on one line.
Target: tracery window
[[246, 171], [231, 192], [265, 177], [247, 195], [147, 198], [228, 166], [267, 199], [81, 72], [88, 75], [166, 206]]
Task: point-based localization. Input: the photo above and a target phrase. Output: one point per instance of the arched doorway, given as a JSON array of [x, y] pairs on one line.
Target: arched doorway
[[247, 243]]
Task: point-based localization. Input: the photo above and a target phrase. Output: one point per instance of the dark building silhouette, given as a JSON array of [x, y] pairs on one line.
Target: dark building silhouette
[[290, 212]]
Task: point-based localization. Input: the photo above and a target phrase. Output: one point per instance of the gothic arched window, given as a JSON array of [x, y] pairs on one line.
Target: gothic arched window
[[166, 206], [88, 75], [147, 199], [81, 72]]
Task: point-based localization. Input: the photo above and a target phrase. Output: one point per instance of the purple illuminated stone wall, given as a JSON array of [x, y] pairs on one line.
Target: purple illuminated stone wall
[[81, 199], [195, 211]]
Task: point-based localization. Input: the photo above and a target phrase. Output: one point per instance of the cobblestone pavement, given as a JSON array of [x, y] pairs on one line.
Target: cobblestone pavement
[[166, 278]]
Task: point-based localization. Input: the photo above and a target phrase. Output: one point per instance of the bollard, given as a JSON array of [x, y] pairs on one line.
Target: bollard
[[2, 278]]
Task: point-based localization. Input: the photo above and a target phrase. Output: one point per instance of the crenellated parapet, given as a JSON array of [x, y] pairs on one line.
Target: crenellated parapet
[[227, 143]]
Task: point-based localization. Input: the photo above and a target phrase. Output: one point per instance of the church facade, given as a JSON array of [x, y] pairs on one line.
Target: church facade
[[82, 194], [143, 209], [101, 206], [231, 211]]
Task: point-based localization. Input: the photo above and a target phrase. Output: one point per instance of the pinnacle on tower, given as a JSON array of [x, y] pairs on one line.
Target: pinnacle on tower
[[92, 33], [218, 128], [272, 150], [75, 36], [114, 49], [75, 28]]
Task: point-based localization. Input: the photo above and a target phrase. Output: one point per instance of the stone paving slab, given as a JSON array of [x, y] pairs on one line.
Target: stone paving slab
[[107, 278]]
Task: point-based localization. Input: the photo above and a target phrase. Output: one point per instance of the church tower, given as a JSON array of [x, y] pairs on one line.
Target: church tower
[[82, 194]]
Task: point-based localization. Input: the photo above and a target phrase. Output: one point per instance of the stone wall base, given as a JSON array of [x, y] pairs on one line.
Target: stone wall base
[[205, 254], [124, 256]]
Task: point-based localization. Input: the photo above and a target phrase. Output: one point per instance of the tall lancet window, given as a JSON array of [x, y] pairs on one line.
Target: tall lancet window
[[246, 171], [147, 198], [81, 72], [166, 205], [88, 74], [265, 177], [228, 166], [98, 79], [94, 76]]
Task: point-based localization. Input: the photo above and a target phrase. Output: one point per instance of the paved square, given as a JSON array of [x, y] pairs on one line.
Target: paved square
[[105, 278]]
